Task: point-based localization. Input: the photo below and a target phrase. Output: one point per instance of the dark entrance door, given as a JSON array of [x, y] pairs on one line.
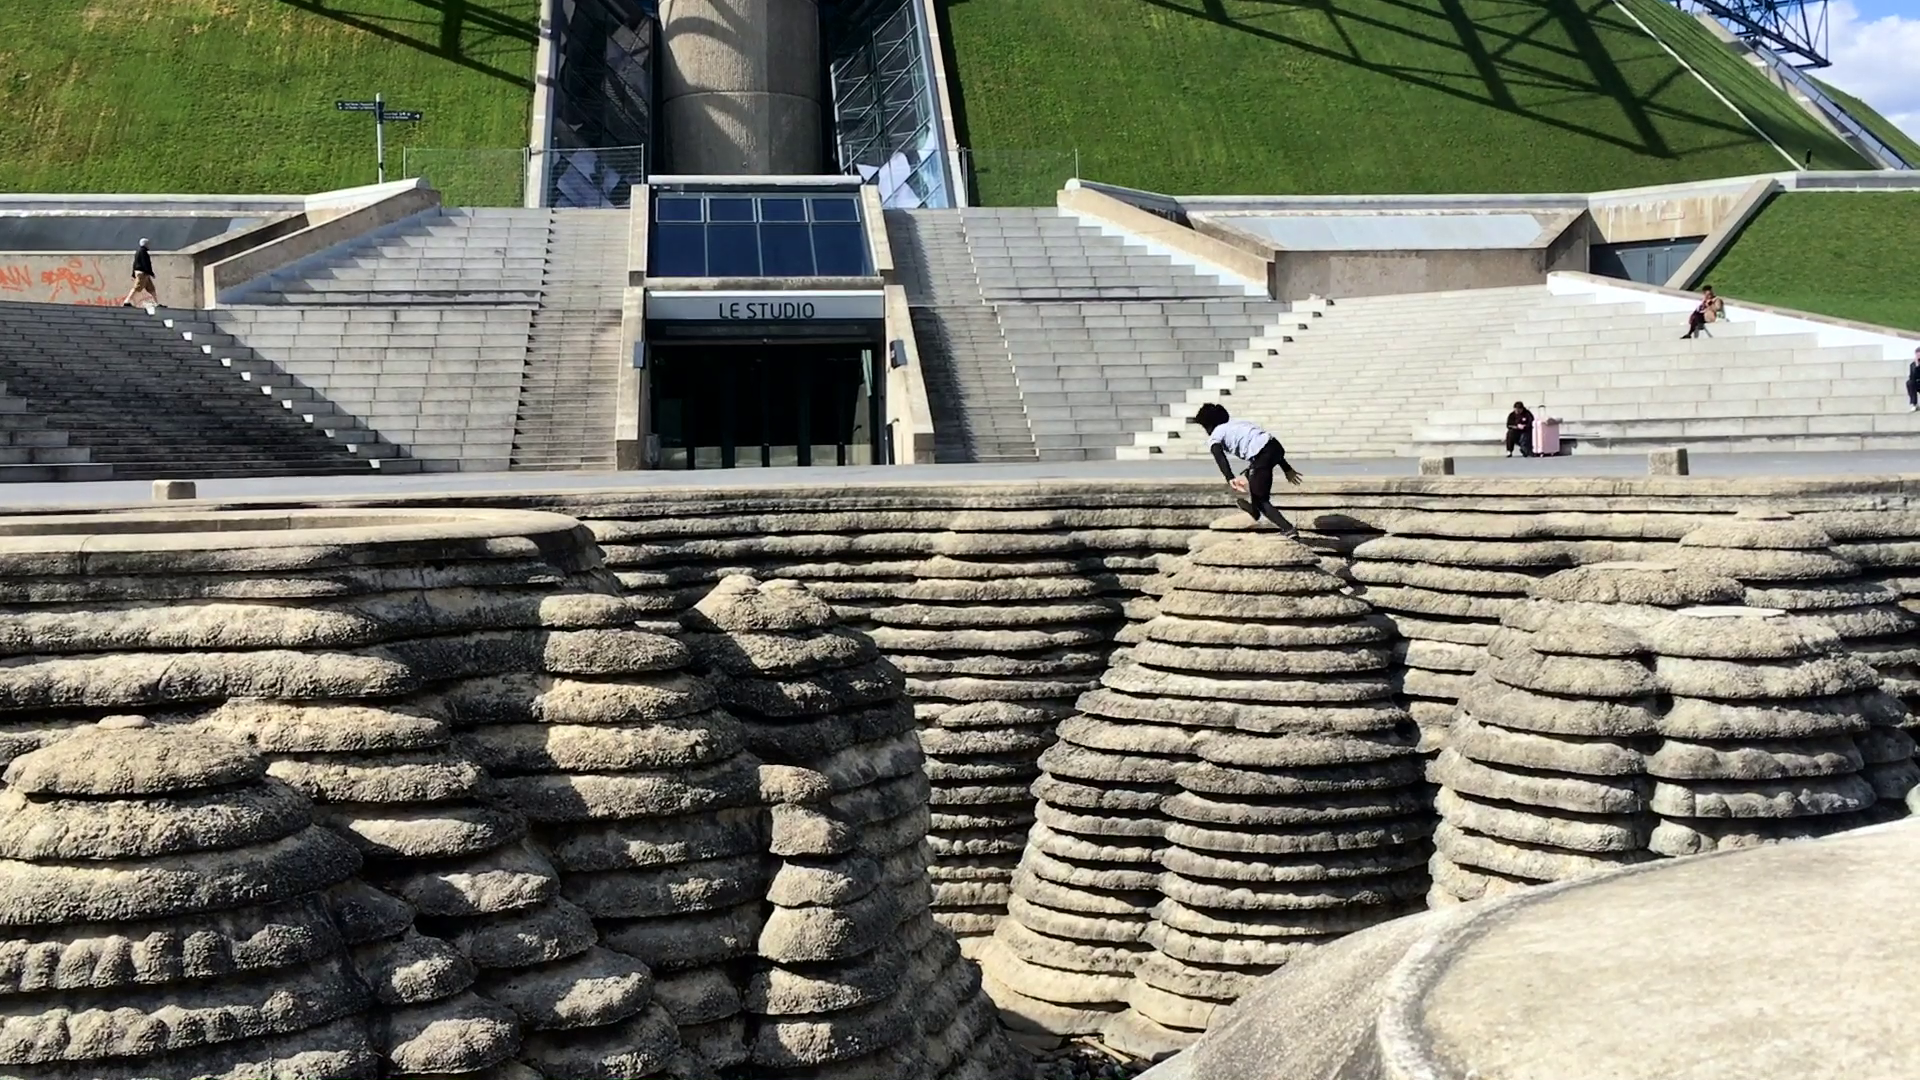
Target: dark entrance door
[[725, 406]]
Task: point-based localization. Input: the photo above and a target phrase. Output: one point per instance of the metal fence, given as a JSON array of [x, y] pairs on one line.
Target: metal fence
[[591, 177]]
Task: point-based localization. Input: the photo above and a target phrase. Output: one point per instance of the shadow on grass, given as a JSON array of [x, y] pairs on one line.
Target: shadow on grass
[[1490, 50], [451, 30]]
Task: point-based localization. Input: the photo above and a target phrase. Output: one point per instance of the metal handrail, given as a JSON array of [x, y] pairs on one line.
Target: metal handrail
[[1889, 157]]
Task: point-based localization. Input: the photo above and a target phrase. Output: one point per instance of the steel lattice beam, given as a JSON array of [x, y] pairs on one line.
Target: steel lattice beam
[[1794, 28]]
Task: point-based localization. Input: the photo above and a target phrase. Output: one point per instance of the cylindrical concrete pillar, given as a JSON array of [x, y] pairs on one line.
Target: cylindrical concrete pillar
[[742, 89]]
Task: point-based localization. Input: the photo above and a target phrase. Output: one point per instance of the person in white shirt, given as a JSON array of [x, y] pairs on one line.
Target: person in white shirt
[[1260, 450]]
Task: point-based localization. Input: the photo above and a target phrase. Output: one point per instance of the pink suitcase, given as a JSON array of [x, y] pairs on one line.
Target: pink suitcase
[[1546, 436]]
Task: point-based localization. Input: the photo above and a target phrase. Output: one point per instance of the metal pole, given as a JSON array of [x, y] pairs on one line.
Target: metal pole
[[380, 136]]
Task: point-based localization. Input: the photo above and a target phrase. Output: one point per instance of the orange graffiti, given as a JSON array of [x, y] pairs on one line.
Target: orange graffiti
[[74, 280], [17, 278]]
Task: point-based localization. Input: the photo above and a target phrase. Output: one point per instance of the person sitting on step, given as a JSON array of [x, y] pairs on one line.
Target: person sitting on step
[[1710, 309], [1262, 453], [1520, 430]]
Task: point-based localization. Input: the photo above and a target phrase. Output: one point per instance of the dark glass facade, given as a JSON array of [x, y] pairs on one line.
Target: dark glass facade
[[757, 234]]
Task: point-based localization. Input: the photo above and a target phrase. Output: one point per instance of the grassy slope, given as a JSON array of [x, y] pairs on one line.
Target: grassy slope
[[1853, 255], [1882, 128], [237, 96], [1347, 96], [1770, 108]]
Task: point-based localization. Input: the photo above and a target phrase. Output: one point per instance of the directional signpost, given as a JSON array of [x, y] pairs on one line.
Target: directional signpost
[[381, 117]]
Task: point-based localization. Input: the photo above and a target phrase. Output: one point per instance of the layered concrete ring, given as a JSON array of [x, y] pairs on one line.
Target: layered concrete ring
[[1789, 960], [253, 541]]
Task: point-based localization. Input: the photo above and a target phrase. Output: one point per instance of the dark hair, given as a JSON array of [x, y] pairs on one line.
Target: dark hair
[[1706, 288], [1519, 404], [1211, 415]]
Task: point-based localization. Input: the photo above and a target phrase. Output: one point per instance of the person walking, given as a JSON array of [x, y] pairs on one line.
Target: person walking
[[1913, 382], [1262, 453], [1520, 430], [142, 277]]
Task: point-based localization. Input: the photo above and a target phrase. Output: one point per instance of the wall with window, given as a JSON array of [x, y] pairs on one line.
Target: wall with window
[[735, 234]]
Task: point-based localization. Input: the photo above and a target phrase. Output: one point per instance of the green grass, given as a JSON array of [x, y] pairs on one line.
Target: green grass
[[1253, 96], [1852, 255], [1882, 128], [1770, 108], [236, 96]]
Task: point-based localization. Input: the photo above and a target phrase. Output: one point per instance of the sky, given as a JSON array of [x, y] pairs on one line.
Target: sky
[[1875, 49]]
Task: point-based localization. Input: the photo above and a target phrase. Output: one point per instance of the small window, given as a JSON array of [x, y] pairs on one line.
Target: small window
[[729, 209], [679, 250], [835, 209], [783, 209], [733, 250], [677, 208], [786, 249], [840, 250]]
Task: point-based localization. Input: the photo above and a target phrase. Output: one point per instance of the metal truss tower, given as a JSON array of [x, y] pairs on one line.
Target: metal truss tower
[[1796, 29]]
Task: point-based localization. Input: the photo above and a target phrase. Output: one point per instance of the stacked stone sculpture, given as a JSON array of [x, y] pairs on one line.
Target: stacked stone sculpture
[[996, 636], [163, 915], [1242, 787], [1307, 815], [851, 977], [1636, 711], [1790, 565], [386, 779], [639, 790], [1445, 595]]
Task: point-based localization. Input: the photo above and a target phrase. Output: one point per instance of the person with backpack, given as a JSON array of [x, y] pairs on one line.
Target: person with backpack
[[142, 277], [1262, 453]]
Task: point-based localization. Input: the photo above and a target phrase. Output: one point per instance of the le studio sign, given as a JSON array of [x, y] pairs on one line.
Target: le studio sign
[[764, 307]]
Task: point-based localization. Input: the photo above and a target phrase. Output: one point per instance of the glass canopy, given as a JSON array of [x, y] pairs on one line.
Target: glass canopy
[[757, 234]]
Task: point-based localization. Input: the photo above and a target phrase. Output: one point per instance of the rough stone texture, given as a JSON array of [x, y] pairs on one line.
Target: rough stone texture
[[1549, 982], [160, 870], [849, 968], [1628, 712], [1442, 594], [1252, 706], [338, 653], [995, 642], [1793, 565]]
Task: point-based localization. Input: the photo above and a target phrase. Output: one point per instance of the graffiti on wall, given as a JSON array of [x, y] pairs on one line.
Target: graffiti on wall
[[60, 279]]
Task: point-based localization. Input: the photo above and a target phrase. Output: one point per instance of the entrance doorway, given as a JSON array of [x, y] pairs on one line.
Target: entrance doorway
[[723, 406]]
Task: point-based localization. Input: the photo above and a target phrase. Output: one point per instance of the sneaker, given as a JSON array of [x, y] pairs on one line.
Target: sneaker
[[1913, 408]]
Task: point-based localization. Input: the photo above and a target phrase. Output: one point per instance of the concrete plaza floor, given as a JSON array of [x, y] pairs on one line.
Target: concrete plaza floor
[[1853, 465]]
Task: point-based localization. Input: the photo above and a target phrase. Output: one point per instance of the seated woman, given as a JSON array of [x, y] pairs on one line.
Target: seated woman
[[1710, 309], [1520, 430]]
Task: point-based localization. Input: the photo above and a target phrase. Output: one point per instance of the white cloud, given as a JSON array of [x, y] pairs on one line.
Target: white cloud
[[1874, 60]]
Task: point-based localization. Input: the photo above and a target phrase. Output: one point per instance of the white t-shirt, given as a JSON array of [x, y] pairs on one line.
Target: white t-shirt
[[1239, 438]]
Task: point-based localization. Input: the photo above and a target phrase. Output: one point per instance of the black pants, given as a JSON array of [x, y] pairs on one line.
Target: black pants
[[1913, 393], [1260, 483], [1520, 439], [1696, 324]]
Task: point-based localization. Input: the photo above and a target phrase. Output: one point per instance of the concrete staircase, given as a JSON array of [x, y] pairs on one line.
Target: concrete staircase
[[31, 452], [446, 256], [1032, 255], [1351, 379], [1094, 373], [1620, 377], [978, 411], [1098, 332], [473, 339], [443, 383], [565, 415], [123, 391]]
